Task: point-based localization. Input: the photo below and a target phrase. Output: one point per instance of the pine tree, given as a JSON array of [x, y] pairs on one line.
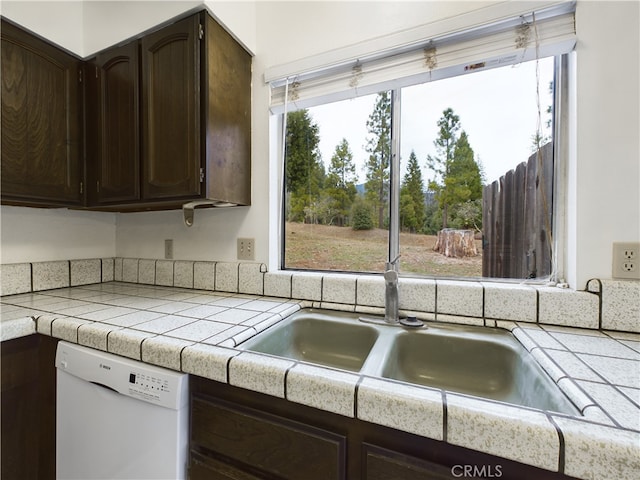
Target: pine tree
[[379, 149], [304, 167], [458, 175], [412, 202], [340, 182]]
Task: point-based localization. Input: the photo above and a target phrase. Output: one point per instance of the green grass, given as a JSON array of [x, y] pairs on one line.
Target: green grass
[[321, 247]]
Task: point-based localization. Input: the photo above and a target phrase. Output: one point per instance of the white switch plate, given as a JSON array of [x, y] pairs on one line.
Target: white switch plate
[[626, 260]]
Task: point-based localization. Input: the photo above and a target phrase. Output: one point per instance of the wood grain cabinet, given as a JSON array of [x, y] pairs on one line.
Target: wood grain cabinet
[[113, 126], [169, 119], [41, 122], [242, 435]]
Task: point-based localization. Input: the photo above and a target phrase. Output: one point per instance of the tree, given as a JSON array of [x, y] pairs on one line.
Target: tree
[[412, 201], [340, 183], [304, 167], [448, 125], [458, 175], [379, 149]]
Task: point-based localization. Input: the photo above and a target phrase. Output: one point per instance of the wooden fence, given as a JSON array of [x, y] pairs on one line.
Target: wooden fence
[[516, 218]]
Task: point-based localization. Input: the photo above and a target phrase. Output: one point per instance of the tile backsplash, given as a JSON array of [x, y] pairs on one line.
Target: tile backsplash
[[605, 304]]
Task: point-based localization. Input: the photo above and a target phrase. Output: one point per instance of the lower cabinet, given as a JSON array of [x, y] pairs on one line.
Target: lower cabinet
[[28, 395], [242, 435]]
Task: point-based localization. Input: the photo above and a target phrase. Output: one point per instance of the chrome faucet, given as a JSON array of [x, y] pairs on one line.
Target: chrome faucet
[[391, 301]]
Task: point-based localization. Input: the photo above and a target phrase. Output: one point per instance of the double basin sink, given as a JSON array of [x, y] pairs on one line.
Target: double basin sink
[[480, 361]]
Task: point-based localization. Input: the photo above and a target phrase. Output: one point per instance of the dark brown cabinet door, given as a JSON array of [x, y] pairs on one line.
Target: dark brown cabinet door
[[171, 111], [41, 122], [113, 129]]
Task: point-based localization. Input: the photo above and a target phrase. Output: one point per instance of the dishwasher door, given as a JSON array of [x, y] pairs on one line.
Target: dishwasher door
[[119, 419]]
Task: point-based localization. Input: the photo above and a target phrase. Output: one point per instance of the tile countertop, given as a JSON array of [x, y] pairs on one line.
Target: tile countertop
[[196, 332]]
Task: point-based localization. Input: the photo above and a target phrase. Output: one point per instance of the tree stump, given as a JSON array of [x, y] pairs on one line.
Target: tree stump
[[456, 243]]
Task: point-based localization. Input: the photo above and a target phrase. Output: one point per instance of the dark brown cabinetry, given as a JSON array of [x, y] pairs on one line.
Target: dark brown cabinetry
[[242, 435], [112, 126], [41, 122], [28, 395], [173, 119], [166, 119]]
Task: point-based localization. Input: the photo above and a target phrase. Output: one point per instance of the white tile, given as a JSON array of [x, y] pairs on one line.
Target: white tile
[[15, 278], [183, 274], [85, 272], [130, 270], [227, 277], [49, 275], [108, 269], [198, 330], [403, 407], [340, 289], [306, 286], [418, 295], [233, 316], [147, 271], [370, 290], [562, 306], [127, 343], [618, 371], [94, 335], [322, 388], [259, 373], [510, 302], [251, 278], [617, 405], [507, 431], [164, 324], [202, 311], [66, 328], [207, 361], [621, 305], [595, 343], [204, 275], [599, 452], [164, 351], [573, 366], [459, 298], [277, 284], [164, 272]]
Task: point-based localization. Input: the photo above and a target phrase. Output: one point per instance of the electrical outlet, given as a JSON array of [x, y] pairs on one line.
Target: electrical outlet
[[626, 260], [246, 248], [168, 249]]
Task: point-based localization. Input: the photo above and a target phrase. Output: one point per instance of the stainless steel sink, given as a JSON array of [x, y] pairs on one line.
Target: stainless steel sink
[[480, 361], [326, 338]]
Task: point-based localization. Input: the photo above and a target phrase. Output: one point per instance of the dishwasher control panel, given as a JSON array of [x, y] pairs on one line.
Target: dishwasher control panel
[[148, 386], [138, 380]]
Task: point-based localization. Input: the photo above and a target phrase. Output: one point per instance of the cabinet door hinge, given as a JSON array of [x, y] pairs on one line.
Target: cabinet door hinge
[[201, 175], [200, 32], [98, 186], [96, 71], [80, 76], [81, 188]]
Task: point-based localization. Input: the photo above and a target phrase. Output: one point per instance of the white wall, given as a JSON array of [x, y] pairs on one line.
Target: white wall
[[603, 204], [40, 234]]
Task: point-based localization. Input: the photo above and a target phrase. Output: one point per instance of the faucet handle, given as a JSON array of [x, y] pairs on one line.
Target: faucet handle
[[391, 265]]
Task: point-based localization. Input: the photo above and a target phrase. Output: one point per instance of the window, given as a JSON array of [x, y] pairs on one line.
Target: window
[[453, 170]]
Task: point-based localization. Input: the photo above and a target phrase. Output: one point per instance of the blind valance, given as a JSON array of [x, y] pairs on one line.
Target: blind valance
[[538, 34]]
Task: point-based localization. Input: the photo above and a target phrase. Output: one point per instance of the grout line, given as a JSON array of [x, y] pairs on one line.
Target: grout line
[[445, 416], [561, 445]]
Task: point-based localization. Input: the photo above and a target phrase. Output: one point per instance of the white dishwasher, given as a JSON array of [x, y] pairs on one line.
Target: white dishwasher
[[119, 419]]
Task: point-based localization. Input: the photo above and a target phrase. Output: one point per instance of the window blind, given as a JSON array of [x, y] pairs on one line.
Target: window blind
[[507, 42]]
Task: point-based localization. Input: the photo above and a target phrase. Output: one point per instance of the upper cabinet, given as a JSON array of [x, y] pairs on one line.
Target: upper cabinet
[[171, 103], [167, 120], [113, 126], [172, 119], [41, 122]]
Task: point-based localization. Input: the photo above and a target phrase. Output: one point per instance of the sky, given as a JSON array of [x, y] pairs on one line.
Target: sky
[[497, 109]]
